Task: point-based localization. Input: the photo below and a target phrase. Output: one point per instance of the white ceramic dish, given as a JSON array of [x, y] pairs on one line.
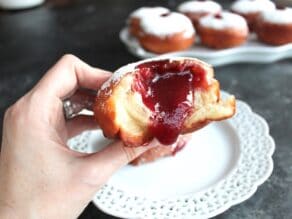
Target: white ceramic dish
[[252, 51], [19, 4], [221, 166]]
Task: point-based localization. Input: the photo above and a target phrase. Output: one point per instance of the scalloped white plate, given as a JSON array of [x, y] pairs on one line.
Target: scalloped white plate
[[251, 51], [221, 166]]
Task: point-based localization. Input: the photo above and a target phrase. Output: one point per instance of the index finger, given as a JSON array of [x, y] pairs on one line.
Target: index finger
[[70, 73]]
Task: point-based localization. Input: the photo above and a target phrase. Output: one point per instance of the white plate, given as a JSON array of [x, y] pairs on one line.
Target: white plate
[[221, 166], [251, 51]]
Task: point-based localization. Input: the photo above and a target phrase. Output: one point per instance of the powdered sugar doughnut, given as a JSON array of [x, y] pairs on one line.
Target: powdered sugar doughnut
[[166, 33], [275, 27], [278, 16], [160, 98], [143, 13], [252, 6], [250, 9], [197, 9], [223, 30]]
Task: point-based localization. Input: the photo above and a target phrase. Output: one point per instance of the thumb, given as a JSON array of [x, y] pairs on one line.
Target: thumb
[[100, 166]]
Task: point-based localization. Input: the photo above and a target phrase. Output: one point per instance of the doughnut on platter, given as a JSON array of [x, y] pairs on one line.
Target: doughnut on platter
[[251, 51]]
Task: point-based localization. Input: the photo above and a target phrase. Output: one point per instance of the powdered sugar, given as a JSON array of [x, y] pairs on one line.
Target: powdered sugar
[[143, 12], [279, 16], [252, 6], [200, 7], [169, 24], [226, 20], [118, 74]]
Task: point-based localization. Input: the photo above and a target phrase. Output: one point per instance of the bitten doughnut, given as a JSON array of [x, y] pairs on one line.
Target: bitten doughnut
[[275, 27], [143, 13], [168, 32], [197, 9], [161, 99], [223, 30], [250, 9]]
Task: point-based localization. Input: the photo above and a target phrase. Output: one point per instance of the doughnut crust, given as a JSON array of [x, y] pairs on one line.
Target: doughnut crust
[[195, 17], [274, 34], [171, 43], [143, 13], [134, 26], [275, 27], [223, 30], [250, 18], [251, 9], [121, 112], [221, 39], [197, 9], [166, 33]]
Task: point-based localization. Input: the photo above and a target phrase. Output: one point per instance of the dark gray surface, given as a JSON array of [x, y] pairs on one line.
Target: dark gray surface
[[31, 41]]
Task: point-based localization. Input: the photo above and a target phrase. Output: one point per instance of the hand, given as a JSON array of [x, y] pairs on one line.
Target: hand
[[39, 176]]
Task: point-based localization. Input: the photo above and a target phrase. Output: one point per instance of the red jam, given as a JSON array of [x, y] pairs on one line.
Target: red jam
[[218, 16], [281, 7], [165, 14], [167, 90]]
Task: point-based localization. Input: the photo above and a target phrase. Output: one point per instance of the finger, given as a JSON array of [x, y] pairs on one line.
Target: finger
[[68, 74], [100, 166], [79, 124]]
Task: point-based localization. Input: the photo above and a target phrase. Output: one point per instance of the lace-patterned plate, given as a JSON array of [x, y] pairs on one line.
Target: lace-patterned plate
[[251, 51], [221, 166]]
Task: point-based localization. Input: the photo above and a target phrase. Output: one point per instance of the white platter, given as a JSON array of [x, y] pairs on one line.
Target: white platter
[[251, 51], [221, 166]]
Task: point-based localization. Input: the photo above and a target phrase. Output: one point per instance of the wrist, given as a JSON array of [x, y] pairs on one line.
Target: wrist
[[12, 210], [7, 211]]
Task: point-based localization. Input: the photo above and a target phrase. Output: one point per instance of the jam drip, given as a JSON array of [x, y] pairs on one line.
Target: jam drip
[[167, 90], [165, 14], [218, 16], [281, 7]]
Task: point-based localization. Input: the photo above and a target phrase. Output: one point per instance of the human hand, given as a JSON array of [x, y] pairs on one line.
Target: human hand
[[39, 176]]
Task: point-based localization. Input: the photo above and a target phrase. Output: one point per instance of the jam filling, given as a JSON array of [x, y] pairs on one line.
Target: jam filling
[[218, 16], [165, 14], [167, 90], [280, 7]]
